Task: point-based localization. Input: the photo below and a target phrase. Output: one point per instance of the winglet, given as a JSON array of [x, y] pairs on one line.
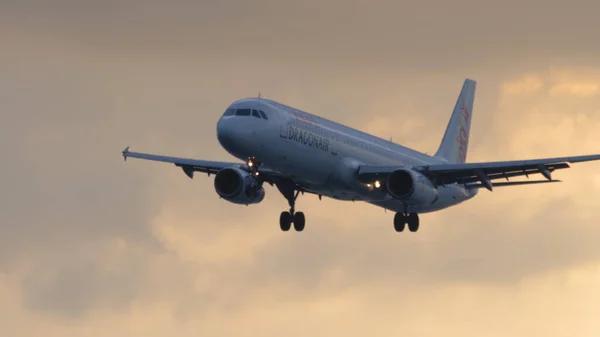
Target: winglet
[[125, 152]]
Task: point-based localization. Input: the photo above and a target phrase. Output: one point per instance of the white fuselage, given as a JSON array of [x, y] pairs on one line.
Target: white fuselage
[[323, 156]]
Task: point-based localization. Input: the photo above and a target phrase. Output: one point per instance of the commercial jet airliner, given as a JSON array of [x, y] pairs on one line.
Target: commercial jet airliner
[[302, 153]]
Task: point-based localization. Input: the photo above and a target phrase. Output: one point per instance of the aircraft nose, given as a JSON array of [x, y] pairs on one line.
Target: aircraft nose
[[225, 134]]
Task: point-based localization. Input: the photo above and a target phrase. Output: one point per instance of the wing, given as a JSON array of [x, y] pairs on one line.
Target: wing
[[190, 166], [475, 175]]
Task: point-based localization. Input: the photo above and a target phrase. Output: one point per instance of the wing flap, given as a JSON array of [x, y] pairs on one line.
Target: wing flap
[[468, 175], [511, 183]]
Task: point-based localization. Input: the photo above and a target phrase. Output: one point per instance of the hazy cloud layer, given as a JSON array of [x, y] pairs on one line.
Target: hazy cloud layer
[[91, 245]]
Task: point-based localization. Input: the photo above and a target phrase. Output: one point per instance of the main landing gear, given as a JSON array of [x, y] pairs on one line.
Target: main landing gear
[[402, 219], [286, 219]]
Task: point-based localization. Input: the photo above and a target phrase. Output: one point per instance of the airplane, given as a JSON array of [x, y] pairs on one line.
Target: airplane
[[298, 152]]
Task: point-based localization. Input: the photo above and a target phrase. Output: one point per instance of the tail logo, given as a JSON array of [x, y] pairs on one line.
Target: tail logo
[[455, 142], [462, 139]]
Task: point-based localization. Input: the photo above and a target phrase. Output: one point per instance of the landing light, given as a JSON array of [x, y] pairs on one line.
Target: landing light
[[377, 184]]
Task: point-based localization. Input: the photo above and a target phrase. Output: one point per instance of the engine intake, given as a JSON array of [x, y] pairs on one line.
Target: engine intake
[[412, 187], [238, 186]]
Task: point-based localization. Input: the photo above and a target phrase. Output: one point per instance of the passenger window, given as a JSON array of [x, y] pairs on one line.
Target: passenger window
[[229, 112], [255, 113], [263, 114], [243, 112]]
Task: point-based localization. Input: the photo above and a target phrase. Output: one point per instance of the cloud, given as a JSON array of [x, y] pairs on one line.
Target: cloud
[[388, 37], [524, 85], [577, 89]]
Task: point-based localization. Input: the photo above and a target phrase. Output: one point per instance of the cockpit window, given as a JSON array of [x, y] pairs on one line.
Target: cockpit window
[[243, 112], [246, 112]]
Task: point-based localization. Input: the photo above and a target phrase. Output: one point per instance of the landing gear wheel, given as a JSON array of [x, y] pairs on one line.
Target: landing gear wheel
[[399, 222], [413, 222], [299, 221], [285, 221]]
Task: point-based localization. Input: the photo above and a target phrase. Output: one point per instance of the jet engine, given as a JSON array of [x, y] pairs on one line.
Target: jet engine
[[238, 186], [412, 187]]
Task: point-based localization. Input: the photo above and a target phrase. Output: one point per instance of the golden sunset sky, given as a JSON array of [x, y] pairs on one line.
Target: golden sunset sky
[[93, 246]]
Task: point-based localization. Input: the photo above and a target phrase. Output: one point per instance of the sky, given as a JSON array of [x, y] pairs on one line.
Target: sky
[[91, 245]]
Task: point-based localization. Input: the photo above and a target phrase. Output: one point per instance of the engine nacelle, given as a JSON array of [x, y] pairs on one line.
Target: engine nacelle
[[238, 186], [412, 187]]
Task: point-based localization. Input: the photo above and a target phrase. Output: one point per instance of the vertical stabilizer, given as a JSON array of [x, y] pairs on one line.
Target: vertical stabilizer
[[455, 143]]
